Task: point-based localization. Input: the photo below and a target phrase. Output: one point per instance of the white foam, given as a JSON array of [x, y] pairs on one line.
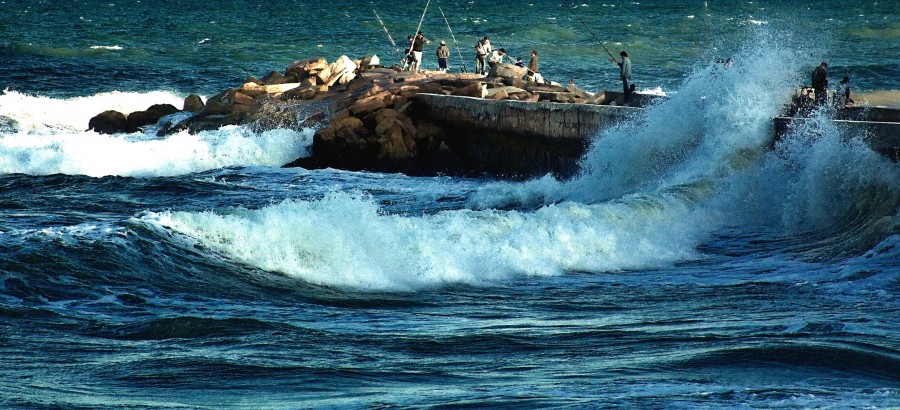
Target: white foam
[[347, 242], [43, 114], [92, 154]]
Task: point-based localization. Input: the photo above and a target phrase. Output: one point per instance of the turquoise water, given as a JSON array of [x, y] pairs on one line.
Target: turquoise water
[[63, 48], [689, 265]]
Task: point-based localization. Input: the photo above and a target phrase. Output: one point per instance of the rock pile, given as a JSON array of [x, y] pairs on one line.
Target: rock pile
[[366, 120]]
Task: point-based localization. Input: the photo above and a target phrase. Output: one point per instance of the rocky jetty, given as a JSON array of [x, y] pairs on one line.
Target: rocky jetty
[[364, 113]]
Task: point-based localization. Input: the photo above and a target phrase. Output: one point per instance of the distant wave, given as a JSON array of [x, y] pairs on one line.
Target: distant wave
[[106, 48]]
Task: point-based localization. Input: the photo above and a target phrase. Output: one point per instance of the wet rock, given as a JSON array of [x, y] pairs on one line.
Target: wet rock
[[150, 116], [192, 103], [108, 122]]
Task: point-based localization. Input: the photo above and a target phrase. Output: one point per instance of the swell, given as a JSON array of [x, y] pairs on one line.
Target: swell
[[853, 357]]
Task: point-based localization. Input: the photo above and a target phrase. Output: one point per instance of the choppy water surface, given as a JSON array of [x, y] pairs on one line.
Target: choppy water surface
[[688, 266]]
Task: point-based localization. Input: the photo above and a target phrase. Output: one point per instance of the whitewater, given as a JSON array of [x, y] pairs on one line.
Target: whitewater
[[692, 263]]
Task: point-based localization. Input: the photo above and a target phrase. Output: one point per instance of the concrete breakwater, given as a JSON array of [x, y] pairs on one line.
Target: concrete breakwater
[[374, 118], [517, 138]]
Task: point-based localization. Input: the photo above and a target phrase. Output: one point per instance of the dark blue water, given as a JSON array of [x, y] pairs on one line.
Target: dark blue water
[[689, 266]]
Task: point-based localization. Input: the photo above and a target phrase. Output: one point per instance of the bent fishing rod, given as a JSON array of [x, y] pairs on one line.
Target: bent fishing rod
[[595, 36], [420, 25], [397, 49], [461, 60]]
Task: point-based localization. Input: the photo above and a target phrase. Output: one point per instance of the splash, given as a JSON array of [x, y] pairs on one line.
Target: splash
[[38, 114], [345, 241], [92, 154], [716, 122]]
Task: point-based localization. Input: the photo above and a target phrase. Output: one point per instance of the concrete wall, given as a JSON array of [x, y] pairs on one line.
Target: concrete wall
[[883, 137], [515, 138]]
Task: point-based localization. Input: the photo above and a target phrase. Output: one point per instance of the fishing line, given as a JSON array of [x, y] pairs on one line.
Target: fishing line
[[461, 60], [397, 49]]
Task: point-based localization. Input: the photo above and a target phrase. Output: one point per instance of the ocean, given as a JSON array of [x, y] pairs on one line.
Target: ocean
[[689, 265]]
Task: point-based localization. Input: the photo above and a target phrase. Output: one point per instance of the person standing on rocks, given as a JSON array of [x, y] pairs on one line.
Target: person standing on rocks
[[533, 73], [417, 47], [624, 73], [820, 83], [443, 53], [482, 49]]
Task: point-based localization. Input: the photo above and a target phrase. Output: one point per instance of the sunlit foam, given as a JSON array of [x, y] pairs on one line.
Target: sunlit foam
[[92, 154], [346, 241], [41, 114]]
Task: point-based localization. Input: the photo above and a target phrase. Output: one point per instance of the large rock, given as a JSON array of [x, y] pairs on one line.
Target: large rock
[[108, 122], [276, 78], [507, 71], [302, 69], [471, 90], [343, 144], [150, 116], [192, 103]]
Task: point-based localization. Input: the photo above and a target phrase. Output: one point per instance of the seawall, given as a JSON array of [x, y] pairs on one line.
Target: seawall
[[518, 139]]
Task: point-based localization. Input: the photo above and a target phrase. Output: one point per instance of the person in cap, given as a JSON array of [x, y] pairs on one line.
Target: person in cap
[[443, 53], [624, 73], [418, 45]]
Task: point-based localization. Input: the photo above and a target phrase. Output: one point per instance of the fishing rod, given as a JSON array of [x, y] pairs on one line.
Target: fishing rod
[[595, 36], [461, 60], [397, 49], [838, 48], [420, 25]]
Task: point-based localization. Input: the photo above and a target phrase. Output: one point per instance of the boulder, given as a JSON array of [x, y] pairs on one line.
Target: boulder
[[108, 122], [471, 90], [274, 78], [507, 71], [343, 144], [506, 90], [369, 61], [214, 107], [395, 141], [323, 75], [365, 107], [192, 103], [500, 95], [271, 89], [243, 99], [302, 69], [300, 93], [150, 116]]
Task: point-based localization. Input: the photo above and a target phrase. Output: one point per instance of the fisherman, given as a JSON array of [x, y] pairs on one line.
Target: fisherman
[[497, 57], [844, 97], [417, 47], [407, 60], [482, 49], [624, 73], [443, 53], [820, 83], [533, 73], [519, 62]]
